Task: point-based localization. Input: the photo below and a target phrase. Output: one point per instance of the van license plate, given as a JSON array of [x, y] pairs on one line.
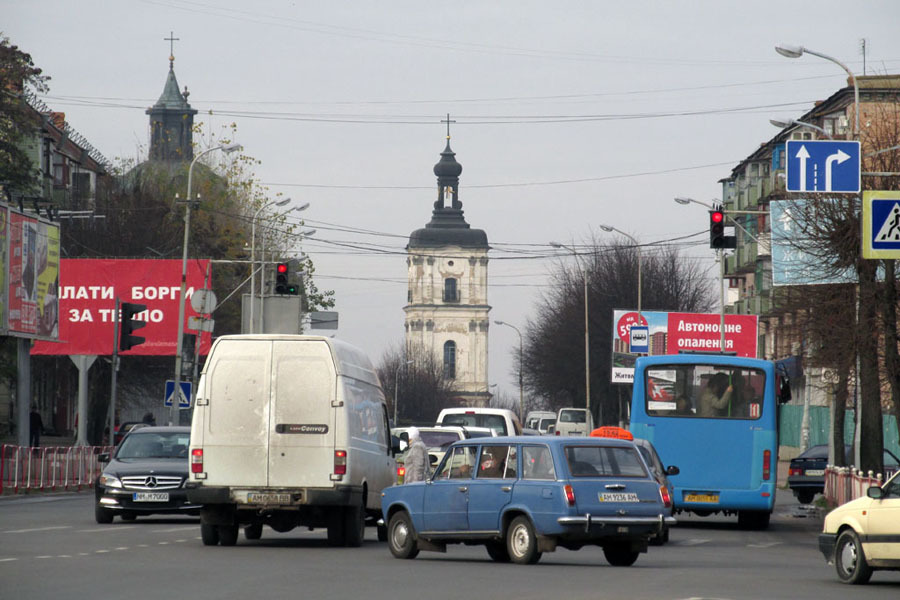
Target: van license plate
[[150, 497], [709, 498], [263, 498]]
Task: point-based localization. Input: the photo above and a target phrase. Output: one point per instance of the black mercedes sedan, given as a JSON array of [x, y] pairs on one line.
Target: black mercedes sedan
[[145, 475]]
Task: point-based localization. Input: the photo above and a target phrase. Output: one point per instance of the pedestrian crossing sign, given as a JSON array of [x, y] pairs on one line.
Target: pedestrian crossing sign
[[881, 224]]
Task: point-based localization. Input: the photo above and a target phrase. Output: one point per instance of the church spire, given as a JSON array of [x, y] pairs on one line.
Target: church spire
[[171, 118]]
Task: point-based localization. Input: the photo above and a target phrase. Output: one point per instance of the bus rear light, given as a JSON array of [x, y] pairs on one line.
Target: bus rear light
[[767, 465], [197, 460], [665, 496], [570, 495], [340, 462]]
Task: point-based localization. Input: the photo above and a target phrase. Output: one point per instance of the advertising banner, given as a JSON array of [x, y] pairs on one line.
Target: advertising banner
[[32, 302], [87, 302], [674, 332]]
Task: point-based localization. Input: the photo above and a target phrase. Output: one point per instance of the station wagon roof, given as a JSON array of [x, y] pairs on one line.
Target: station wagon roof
[[549, 440]]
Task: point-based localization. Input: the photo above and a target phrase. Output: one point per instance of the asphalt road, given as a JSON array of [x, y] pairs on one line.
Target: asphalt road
[[50, 547]]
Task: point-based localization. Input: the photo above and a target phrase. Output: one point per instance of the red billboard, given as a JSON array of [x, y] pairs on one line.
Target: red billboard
[[87, 301], [674, 332]]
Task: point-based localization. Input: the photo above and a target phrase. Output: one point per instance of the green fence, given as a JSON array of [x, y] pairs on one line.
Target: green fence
[[791, 421]]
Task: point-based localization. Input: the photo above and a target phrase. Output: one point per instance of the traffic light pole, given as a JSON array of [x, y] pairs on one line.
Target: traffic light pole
[[721, 253], [115, 370]]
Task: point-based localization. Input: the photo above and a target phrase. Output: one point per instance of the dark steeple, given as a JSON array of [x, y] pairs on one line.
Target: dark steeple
[[171, 121], [448, 226]]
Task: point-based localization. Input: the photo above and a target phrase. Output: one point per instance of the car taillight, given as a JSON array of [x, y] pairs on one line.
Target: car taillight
[[556, 432], [570, 495], [666, 496], [767, 465], [197, 460], [795, 471], [340, 462]]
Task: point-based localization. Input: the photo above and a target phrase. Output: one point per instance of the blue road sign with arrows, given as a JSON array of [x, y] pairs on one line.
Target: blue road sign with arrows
[[822, 166]]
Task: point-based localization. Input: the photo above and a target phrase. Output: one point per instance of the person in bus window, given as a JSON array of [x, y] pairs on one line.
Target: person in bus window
[[716, 396]]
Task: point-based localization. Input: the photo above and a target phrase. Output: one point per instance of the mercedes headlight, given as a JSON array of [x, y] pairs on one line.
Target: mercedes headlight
[[110, 481]]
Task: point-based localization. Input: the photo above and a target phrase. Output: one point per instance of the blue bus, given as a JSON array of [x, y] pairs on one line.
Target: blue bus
[[715, 417]]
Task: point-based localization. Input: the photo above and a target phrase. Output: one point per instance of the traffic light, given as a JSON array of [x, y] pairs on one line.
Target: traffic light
[[717, 237], [281, 278], [127, 341]]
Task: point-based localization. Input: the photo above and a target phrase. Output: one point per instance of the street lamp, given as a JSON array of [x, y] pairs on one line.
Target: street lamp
[[179, 342], [397, 386], [795, 51], [521, 392], [785, 123], [587, 352], [262, 268], [637, 246], [253, 255]]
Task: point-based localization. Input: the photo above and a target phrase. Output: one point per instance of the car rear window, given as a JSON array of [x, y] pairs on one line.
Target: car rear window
[[572, 416], [604, 461], [438, 439], [495, 422]]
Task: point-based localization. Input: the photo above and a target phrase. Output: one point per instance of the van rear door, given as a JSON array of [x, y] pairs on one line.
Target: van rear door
[[236, 432], [302, 420]]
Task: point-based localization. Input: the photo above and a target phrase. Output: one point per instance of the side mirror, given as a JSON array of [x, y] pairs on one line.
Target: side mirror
[[395, 445], [103, 457], [875, 492], [432, 459], [672, 470]]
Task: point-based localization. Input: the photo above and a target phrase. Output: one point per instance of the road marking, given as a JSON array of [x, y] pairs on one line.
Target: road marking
[[692, 542], [106, 529], [44, 556], [122, 548], [8, 559], [174, 529], [100, 551], [765, 545], [163, 543], [38, 529], [64, 556]]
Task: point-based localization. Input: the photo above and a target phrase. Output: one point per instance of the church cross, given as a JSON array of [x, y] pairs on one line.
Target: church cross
[[172, 39], [448, 121]]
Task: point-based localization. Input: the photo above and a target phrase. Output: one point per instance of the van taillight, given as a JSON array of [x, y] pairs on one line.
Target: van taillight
[[767, 465], [401, 471], [666, 496], [570, 495], [197, 460], [340, 462]]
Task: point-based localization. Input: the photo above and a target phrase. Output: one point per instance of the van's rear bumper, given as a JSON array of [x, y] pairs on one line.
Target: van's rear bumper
[[341, 495]]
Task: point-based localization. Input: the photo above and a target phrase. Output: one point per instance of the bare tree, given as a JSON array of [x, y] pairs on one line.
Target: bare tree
[[553, 355], [420, 388]]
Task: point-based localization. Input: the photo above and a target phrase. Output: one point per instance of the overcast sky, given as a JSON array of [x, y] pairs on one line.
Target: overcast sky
[[568, 115]]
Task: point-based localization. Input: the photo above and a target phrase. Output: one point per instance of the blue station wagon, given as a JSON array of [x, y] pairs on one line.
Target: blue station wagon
[[523, 496]]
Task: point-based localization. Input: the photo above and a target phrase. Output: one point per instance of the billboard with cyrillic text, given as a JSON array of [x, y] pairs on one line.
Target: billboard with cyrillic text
[[675, 332], [87, 304]]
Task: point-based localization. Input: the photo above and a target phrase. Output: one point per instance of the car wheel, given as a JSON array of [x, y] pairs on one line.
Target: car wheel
[[253, 532], [354, 526], [335, 524], [228, 535], [497, 551], [129, 516], [401, 536], [102, 515], [209, 534], [620, 555], [849, 560], [382, 532], [805, 497], [521, 542]]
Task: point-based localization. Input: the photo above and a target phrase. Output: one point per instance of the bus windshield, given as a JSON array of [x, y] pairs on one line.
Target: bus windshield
[[708, 391]]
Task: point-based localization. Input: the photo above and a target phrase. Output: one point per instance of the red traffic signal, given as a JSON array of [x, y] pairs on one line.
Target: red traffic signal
[[717, 237]]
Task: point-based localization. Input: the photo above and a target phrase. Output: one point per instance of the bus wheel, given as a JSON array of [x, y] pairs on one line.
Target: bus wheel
[[753, 519]]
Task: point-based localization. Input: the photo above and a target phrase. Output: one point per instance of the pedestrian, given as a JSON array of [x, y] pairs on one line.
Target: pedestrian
[[36, 427], [416, 457]]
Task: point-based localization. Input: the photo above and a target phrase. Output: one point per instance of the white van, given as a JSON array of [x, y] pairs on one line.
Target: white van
[[288, 431], [573, 421], [501, 420]]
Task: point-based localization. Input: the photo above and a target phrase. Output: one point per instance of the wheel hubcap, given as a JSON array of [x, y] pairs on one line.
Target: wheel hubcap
[[400, 535], [520, 540], [848, 557]]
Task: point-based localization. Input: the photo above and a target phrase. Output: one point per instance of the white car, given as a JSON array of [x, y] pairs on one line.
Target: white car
[[863, 535]]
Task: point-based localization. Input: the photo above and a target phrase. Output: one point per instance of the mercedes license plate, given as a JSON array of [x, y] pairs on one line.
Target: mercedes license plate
[[268, 498], [150, 497], [708, 498], [618, 497]]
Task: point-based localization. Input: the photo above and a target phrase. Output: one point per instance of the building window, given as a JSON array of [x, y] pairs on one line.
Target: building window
[[451, 294], [409, 295], [450, 360]]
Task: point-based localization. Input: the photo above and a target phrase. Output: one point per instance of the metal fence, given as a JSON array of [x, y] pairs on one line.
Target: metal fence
[[843, 484], [26, 469]]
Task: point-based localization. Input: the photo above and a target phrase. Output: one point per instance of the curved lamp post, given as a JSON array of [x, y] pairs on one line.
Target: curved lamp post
[[262, 268], [179, 342], [587, 339], [785, 123], [637, 246], [521, 391]]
